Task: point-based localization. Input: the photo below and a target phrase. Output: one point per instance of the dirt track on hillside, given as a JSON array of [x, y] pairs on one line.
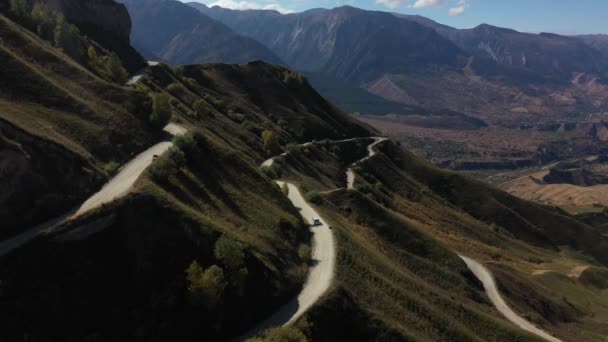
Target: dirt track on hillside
[[484, 275], [116, 188]]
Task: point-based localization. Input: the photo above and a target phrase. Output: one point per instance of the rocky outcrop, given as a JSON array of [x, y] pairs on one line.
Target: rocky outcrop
[[106, 22], [38, 179]]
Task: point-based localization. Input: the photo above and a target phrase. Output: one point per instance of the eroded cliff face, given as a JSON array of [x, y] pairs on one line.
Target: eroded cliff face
[[38, 179], [105, 21]]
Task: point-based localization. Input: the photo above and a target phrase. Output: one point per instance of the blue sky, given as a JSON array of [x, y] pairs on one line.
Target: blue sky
[[558, 16]]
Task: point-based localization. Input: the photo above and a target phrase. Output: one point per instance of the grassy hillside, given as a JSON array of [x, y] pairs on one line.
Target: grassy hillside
[[398, 236], [122, 271], [206, 244], [238, 103], [208, 191], [67, 128], [539, 225], [404, 279]]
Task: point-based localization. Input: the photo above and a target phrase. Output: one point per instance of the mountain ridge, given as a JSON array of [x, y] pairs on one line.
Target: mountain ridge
[[528, 70], [179, 35]]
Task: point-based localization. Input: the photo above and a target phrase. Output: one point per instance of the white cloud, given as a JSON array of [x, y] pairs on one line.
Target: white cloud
[[429, 3], [278, 8], [458, 10], [458, 7], [454, 11], [249, 5], [392, 4]]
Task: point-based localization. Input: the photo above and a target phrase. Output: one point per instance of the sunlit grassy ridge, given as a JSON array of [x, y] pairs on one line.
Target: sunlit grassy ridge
[[398, 236]]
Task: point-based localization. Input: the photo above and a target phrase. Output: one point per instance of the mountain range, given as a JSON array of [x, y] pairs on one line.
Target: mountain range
[[490, 72]]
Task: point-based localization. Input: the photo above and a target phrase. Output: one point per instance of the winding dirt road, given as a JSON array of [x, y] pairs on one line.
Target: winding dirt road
[[350, 174], [321, 273], [135, 78], [116, 188], [270, 162], [486, 278]]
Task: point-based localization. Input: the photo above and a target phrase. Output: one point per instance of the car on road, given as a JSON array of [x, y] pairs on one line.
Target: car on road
[[316, 221]]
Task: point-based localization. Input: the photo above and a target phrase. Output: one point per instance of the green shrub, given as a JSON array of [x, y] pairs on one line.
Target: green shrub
[[313, 197], [285, 189], [177, 156], [291, 147], [187, 144], [270, 172], [67, 37], [293, 78], [202, 109], [116, 72], [179, 71], [252, 127], [92, 54], [364, 188], [43, 19], [109, 67], [19, 8], [283, 334], [167, 164], [283, 123], [111, 167], [229, 252], [219, 104], [191, 82], [205, 288], [305, 253], [378, 185], [161, 110], [176, 89], [183, 109], [236, 117], [271, 141]]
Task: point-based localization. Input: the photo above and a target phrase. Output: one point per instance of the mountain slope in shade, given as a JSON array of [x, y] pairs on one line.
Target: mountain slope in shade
[[180, 35], [61, 129], [597, 41], [346, 42]]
